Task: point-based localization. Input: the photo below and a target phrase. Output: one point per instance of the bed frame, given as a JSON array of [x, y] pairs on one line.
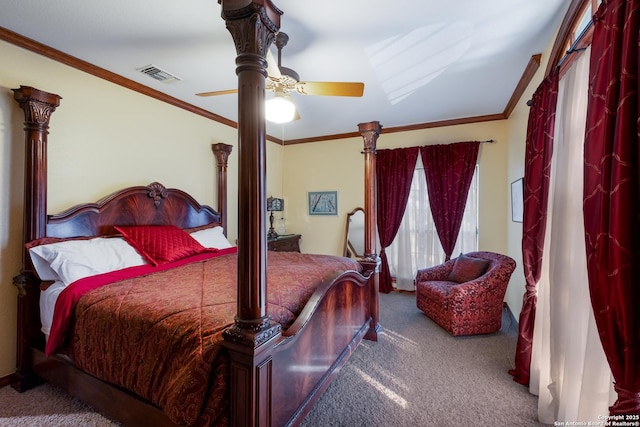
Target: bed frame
[[275, 376]]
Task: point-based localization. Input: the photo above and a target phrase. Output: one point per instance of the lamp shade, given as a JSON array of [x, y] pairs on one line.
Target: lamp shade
[[275, 205], [280, 108]]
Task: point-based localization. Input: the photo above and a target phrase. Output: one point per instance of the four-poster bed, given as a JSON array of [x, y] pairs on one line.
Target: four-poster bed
[[274, 372]]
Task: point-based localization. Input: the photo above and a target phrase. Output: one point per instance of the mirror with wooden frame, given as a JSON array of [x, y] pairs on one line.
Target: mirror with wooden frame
[[354, 234]]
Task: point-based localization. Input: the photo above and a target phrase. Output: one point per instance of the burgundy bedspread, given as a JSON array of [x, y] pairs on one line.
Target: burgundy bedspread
[[159, 335]]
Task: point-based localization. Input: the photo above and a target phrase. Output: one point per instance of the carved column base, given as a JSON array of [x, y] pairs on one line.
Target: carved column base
[[24, 381], [371, 265], [252, 334], [250, 346], [29, 334]]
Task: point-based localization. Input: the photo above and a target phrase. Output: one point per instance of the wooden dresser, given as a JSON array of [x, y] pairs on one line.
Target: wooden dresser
[[285, 243]]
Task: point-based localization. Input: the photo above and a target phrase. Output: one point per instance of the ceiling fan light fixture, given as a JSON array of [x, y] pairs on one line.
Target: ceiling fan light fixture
[[280, 108]]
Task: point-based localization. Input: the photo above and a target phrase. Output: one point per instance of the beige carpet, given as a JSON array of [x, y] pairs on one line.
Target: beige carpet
[[419, 375], [46, 406], [415, 375]]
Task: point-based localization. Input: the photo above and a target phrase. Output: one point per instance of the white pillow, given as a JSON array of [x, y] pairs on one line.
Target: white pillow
[[72, 260], [212, 238]]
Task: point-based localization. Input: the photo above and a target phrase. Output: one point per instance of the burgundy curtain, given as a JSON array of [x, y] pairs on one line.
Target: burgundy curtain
[[449, 170], [612, 195], [537, 164], [394, 172]]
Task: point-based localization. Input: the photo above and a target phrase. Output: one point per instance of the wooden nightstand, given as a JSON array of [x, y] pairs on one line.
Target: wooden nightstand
[[285, 243]]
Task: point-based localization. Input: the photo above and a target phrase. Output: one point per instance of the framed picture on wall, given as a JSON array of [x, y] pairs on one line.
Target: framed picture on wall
[[323, 202], [517, 202]]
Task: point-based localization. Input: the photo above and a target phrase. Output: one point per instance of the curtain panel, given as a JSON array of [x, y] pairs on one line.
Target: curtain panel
[[394, 172], [448, 170], [612, 194], [537, 167], [569, 370]]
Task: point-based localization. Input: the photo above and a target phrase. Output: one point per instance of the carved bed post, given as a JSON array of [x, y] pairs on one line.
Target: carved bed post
[[38, 107], [253, 26], [222, 152], [370, 132]]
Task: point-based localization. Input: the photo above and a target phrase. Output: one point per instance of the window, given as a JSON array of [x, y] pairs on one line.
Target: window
[[575, 34], [417, 244]]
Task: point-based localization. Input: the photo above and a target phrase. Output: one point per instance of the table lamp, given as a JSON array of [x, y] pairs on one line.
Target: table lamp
[[273, 205]]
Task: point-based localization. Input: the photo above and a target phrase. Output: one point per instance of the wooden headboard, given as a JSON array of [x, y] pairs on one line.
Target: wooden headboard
[[142, 205]]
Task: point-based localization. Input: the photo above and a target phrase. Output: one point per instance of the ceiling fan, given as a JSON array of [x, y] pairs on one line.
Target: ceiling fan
[[282, 81]]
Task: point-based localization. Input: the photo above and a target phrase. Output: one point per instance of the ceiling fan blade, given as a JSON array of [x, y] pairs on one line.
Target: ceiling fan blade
[[272, 66], [218, 92], [330, 88]]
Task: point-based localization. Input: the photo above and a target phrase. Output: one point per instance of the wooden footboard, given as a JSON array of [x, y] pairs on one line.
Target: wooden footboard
[[310, 353]]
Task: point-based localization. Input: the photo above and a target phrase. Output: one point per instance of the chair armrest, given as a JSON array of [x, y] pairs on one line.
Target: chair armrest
[[437, 272]]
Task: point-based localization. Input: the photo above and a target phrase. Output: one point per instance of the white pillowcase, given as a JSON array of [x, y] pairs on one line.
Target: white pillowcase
[[48, 299], [212, 238], [72, 260]]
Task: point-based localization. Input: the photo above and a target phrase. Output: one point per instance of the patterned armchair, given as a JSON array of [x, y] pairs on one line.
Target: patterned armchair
[[460, 301]]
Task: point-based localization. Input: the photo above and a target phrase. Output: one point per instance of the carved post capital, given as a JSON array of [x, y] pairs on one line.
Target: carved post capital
[[373, 126], [37, 105], [253, 25], [222, 152], [370, 132]]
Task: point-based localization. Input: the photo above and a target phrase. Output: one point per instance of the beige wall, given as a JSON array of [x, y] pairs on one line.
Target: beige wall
[[517, 134], [102, 138]]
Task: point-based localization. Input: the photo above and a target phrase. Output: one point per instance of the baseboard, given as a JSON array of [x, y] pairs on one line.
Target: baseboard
[[510, 318], [5, 381], [510, 313]]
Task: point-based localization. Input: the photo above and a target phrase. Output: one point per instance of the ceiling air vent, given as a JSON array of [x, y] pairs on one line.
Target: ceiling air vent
[[158, 73]]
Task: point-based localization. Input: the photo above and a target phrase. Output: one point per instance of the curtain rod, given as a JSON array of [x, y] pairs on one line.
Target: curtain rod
[[487, 141]]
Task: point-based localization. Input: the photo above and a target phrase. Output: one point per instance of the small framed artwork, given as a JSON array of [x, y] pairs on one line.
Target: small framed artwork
[[517, 203], [323, 202]]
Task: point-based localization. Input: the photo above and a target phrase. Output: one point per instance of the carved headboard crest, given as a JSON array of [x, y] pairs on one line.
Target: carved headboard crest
[[157, 192]]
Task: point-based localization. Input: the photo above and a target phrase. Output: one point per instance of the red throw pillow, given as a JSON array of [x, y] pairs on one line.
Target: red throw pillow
[[467, 268], [161, 244]]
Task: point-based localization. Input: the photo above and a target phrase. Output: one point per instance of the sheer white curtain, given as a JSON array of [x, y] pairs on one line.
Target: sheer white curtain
[[417, 244], [569, 371]]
